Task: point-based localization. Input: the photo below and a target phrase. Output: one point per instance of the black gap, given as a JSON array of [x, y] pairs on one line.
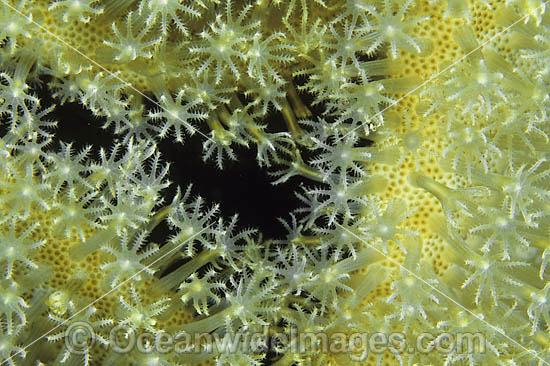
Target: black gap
[[241, 187], [4, 125], [75, 124]]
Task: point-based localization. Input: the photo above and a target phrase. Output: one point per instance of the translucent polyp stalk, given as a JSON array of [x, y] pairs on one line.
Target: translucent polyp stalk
[[376, 274], [305, 171], [208, 324], [364, 258], [298, 106], [175, 278], [80, 251]]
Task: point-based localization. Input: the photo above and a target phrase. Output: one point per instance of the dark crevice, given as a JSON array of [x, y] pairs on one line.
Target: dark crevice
[[242, 186]]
